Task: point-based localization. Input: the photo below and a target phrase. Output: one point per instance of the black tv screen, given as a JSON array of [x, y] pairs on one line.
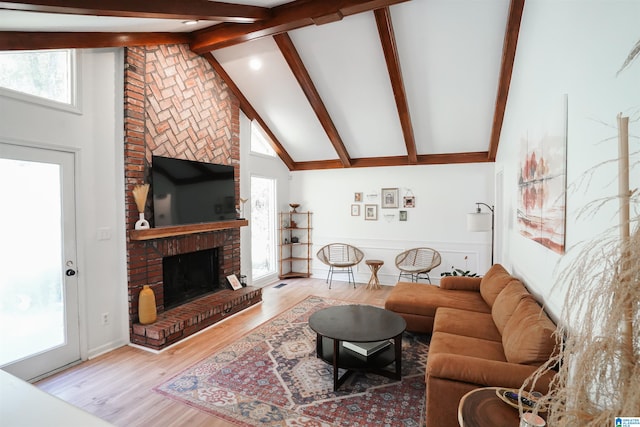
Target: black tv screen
[[190, 192]]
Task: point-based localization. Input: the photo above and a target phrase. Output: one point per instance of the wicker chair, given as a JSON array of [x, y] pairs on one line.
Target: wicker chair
[[342, 257], [417, 263]]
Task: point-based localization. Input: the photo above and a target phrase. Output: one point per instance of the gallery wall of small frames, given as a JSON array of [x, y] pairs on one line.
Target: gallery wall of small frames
[[392, 206]]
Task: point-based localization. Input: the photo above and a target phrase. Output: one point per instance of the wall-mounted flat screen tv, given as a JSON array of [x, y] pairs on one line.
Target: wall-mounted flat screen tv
[[190, 192]]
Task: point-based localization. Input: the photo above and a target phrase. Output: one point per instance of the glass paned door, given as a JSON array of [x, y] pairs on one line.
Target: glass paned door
[[263, 226], [38, 281]]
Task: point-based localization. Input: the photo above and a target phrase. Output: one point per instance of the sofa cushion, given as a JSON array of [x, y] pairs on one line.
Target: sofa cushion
[[493, 283], [506, 303], [418, 323], [445, 343], [481, 373], [466, 323], [461, 283], [528, 335], [423, 299]]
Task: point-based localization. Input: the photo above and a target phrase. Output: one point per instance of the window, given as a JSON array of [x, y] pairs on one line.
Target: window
[[263, 227], [260, 141], [46, 74]]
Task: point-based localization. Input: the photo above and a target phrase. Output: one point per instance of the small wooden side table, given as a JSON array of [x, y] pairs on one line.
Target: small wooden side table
[[374, 265], [483, 408]]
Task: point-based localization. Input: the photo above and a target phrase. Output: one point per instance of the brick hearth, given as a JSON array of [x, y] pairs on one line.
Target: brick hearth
[[180, 322], [177, 106]]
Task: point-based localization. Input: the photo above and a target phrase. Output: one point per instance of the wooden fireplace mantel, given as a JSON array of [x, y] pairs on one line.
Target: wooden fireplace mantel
[[181, 230]]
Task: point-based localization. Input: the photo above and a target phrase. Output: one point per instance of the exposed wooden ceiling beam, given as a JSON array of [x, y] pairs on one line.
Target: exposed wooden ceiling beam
[[370, 162], [163, 9], [23, 40], [250, 112], [287, 17], [388, 40], [506, 69], [318, 164], [448, 158], [301, 74]]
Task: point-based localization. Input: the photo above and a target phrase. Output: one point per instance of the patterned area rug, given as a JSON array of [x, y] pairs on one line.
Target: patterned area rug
[[271, 377]]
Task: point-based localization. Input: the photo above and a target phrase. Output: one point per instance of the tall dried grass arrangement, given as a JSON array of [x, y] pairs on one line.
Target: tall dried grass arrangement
[[599, 374], [140, 196]]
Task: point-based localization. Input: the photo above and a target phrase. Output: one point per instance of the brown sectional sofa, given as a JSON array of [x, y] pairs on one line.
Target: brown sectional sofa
[[486, 332]]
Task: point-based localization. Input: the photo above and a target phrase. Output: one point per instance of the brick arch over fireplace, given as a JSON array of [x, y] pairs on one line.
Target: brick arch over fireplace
[[175, 105]]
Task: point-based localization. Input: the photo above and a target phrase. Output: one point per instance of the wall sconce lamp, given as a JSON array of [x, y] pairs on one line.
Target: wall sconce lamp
[[482, 221]]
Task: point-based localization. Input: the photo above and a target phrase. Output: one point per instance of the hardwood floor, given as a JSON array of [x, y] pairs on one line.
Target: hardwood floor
[[117, 386]]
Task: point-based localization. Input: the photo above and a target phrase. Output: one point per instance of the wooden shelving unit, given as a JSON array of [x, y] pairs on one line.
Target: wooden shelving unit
[[295, 258], [181, 230]]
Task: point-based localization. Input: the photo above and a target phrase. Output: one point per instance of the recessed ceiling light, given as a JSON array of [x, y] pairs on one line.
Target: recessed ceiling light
[[255, 64], [190, 22]]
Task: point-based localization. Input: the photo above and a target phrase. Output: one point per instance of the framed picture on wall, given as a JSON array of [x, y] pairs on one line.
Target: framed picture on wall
[[409, 202], [371, 212], [357, 197], [355, 210], [403, 215], [390, 198]]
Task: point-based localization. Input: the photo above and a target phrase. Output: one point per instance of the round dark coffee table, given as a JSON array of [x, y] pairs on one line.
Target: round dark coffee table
[[358, 324]]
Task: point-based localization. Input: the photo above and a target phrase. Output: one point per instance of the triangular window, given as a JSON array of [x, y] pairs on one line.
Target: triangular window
[[260, 142]]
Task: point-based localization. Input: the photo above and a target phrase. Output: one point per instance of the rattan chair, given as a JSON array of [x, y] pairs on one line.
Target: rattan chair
[[417, 263], [342, 257]]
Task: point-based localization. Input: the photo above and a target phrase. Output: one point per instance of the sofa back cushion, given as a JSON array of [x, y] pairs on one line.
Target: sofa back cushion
[[528, 335], [506, 303], [493, 283]]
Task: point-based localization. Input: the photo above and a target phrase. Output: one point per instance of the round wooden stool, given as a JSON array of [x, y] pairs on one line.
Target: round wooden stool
[[374, 265]]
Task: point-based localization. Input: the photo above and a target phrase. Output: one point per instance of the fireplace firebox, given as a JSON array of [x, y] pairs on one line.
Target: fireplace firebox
[[189, 276]]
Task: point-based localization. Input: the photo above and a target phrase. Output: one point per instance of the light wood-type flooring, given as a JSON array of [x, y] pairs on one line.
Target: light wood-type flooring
[[117, 386]]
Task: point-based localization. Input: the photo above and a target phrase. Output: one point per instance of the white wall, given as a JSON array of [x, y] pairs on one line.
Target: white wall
[[95, 135], [574, 48], [444, 194]]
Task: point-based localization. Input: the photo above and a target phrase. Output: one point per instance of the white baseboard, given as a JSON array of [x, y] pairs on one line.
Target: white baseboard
[[105, 348]]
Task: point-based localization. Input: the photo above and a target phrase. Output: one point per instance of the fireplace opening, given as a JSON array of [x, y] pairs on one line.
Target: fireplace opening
[[189, 276]]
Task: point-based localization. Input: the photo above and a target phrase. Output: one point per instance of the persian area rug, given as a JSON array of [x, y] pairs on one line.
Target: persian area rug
[[272, 377]]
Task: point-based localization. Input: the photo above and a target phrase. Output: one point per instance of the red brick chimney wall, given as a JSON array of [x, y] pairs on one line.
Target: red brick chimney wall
[[175, 105]]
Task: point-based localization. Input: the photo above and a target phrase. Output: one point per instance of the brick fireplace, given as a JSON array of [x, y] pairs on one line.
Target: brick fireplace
[[177, 106]]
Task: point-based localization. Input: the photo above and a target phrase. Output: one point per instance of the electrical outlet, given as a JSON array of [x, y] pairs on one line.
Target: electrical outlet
[[105, 319]]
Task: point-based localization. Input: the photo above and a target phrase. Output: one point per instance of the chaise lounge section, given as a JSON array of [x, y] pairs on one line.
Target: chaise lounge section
[[486, 332], [417, 303]]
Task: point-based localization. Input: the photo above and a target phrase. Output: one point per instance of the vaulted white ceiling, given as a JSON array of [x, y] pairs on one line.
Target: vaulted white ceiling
[[449, 52]]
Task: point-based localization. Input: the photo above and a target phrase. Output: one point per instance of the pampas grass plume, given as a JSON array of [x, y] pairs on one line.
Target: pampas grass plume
[[140, 196]]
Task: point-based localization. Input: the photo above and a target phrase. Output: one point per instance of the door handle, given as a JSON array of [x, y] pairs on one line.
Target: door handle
[[70, 272]]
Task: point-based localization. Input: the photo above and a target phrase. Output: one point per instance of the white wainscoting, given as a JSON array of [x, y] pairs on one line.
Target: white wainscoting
[[464, 255]]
